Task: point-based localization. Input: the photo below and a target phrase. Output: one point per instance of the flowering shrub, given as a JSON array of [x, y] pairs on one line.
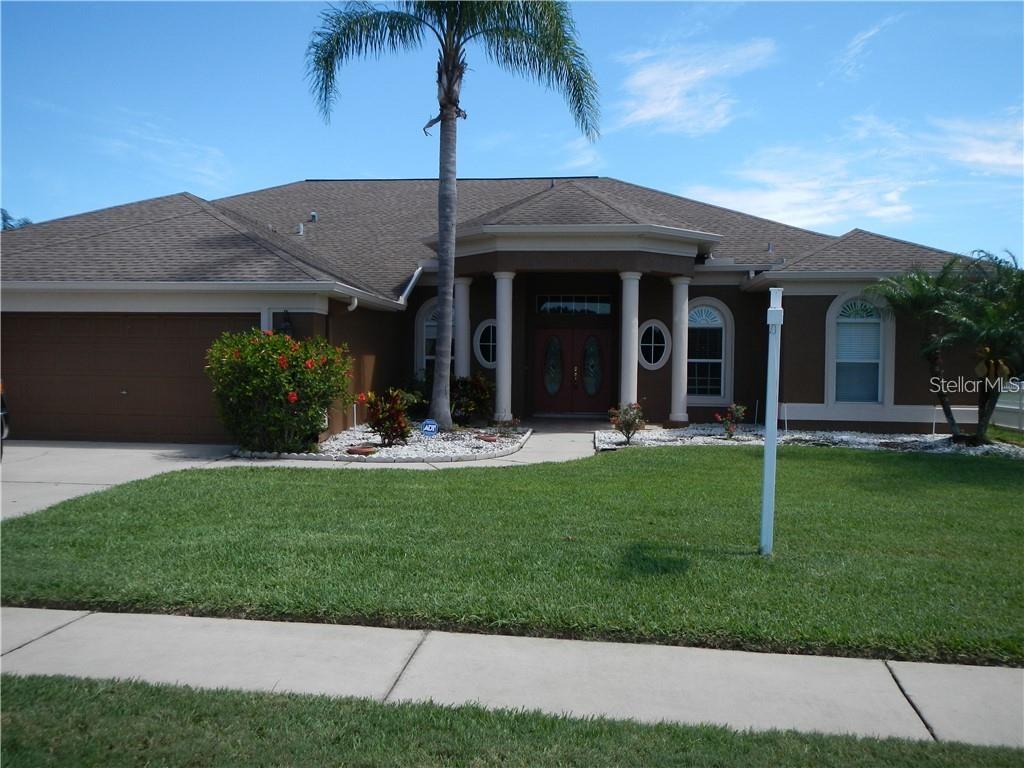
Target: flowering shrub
[[274, 391], [472, 399], [387, 414], [733, 415], [627, 420]]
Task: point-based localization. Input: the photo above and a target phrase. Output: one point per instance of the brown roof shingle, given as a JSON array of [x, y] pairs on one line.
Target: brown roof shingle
[[862, 251]]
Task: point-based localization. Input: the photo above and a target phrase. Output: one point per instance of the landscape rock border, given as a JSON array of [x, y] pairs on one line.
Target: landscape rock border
[[239, 453]]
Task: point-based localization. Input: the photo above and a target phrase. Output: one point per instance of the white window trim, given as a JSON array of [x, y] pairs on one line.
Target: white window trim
[[728, 344], [419, 350], [666, 355], [887, 385], [477, 335]]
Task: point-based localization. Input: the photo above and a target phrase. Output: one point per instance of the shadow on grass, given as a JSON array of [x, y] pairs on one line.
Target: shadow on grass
[[647, 558]]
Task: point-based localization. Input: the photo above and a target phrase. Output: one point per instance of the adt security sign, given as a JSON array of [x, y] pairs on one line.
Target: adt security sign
[[429, 428]]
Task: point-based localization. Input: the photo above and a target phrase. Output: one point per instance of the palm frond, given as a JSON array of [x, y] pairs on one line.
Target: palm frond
[[538, 39], [356, 30]]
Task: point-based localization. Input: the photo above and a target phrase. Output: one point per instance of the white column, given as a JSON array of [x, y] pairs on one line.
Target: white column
[[462, 326], [680, 345], [503, 373], [630, 342]]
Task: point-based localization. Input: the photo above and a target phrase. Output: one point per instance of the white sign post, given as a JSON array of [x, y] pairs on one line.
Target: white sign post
[[771, 422]]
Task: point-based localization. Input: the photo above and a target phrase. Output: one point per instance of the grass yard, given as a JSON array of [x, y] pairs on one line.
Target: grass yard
[[1006, 435], [890, 555], [50, 721]]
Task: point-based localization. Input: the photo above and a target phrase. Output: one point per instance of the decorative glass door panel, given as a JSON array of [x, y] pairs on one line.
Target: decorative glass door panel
[[572, 367]]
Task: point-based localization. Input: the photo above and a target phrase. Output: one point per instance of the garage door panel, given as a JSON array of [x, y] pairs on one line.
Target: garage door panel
[[113, 376]]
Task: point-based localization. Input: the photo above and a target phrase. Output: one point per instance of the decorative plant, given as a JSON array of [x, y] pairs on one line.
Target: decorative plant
[[387, 414], [274, 391], [732, 416], [627, 420], [472, 399]]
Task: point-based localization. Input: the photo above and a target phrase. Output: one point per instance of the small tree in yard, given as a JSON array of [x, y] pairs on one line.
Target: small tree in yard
[[977, 302], [925, 296], [274, 392], [387, 414], [988, 314], [627, 420]]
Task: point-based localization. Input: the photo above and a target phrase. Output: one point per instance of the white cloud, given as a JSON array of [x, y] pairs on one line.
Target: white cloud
[[181, 160], [811, 189], [580, 154], [987, 146], [851, 61], [685, 90]]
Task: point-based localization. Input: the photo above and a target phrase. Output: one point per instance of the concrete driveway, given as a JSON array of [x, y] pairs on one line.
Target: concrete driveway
[[36, 474]]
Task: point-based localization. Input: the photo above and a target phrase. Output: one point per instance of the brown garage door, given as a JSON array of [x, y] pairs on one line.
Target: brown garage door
[[105, 376]]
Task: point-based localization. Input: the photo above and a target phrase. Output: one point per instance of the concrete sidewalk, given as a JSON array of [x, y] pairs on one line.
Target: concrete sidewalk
[[649, 683]]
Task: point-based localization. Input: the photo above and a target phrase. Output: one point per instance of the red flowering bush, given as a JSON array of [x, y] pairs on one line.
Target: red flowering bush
[[274, 391], [627, 420], [386, 414], [732, 416]]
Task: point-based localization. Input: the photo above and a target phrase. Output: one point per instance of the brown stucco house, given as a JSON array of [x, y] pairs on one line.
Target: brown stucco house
[[574, 294]]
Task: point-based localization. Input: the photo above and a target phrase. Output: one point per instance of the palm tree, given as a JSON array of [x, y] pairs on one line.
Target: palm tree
[[534, 39], [9, 222], [989, 315], [924, 296]]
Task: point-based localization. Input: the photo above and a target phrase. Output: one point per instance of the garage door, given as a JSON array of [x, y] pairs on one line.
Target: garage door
[[136, 377]]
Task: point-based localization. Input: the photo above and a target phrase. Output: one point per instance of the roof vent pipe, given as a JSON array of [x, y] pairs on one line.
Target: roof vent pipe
[[313, 217], [771, 247], [299, 229]]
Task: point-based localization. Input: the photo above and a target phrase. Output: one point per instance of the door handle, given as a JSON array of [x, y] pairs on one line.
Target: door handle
[[575, 375]]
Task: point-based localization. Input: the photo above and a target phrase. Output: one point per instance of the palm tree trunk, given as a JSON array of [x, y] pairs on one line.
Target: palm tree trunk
[[935, 360], [447, 200], [987, 401]]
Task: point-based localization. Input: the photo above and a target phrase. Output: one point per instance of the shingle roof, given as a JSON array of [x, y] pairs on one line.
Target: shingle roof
[[862, 251], [177, 238], [372, 234]]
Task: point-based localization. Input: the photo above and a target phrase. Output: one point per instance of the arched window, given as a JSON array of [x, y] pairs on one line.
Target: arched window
[[655, 344], [709, 352], [426, 339], [485, 343], [858, 372]]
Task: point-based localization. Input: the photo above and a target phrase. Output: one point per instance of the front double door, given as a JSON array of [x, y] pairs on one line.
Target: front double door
[[572, 370]]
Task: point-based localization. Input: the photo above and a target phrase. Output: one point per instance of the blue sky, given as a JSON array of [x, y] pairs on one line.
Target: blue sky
[[900, 118]]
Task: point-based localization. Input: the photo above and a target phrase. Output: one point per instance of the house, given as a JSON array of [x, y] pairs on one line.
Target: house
[[573, 293]]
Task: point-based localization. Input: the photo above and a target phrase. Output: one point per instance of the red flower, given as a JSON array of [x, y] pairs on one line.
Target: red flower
[[236, 353], [323, 360], [718, 417], [293, 397], [268, 332], [310, 364], [294, 345], [361, 399], [282, 362]]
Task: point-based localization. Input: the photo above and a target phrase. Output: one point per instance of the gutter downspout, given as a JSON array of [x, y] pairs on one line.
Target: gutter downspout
[[404, 298]]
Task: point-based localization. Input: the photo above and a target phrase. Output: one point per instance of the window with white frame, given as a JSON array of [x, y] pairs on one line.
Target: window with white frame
[[425, 351], [655, 344], [485, 343], [858, 374], [705, 366]]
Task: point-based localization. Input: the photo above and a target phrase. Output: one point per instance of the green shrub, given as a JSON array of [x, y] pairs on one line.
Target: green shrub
[[274, 391], [386, 414], [472, 399], [627, 420]]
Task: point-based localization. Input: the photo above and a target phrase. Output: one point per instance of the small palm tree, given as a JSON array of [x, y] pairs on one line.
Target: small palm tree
[[924, 296], [535, 39], [988, 314]]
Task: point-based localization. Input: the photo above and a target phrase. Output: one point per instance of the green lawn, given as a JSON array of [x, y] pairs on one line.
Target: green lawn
[[877, 554], [51, 721], [1006, 435]]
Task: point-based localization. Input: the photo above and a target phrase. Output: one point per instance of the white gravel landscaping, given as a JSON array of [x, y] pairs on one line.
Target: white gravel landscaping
[[714, 434], [460, 445]]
